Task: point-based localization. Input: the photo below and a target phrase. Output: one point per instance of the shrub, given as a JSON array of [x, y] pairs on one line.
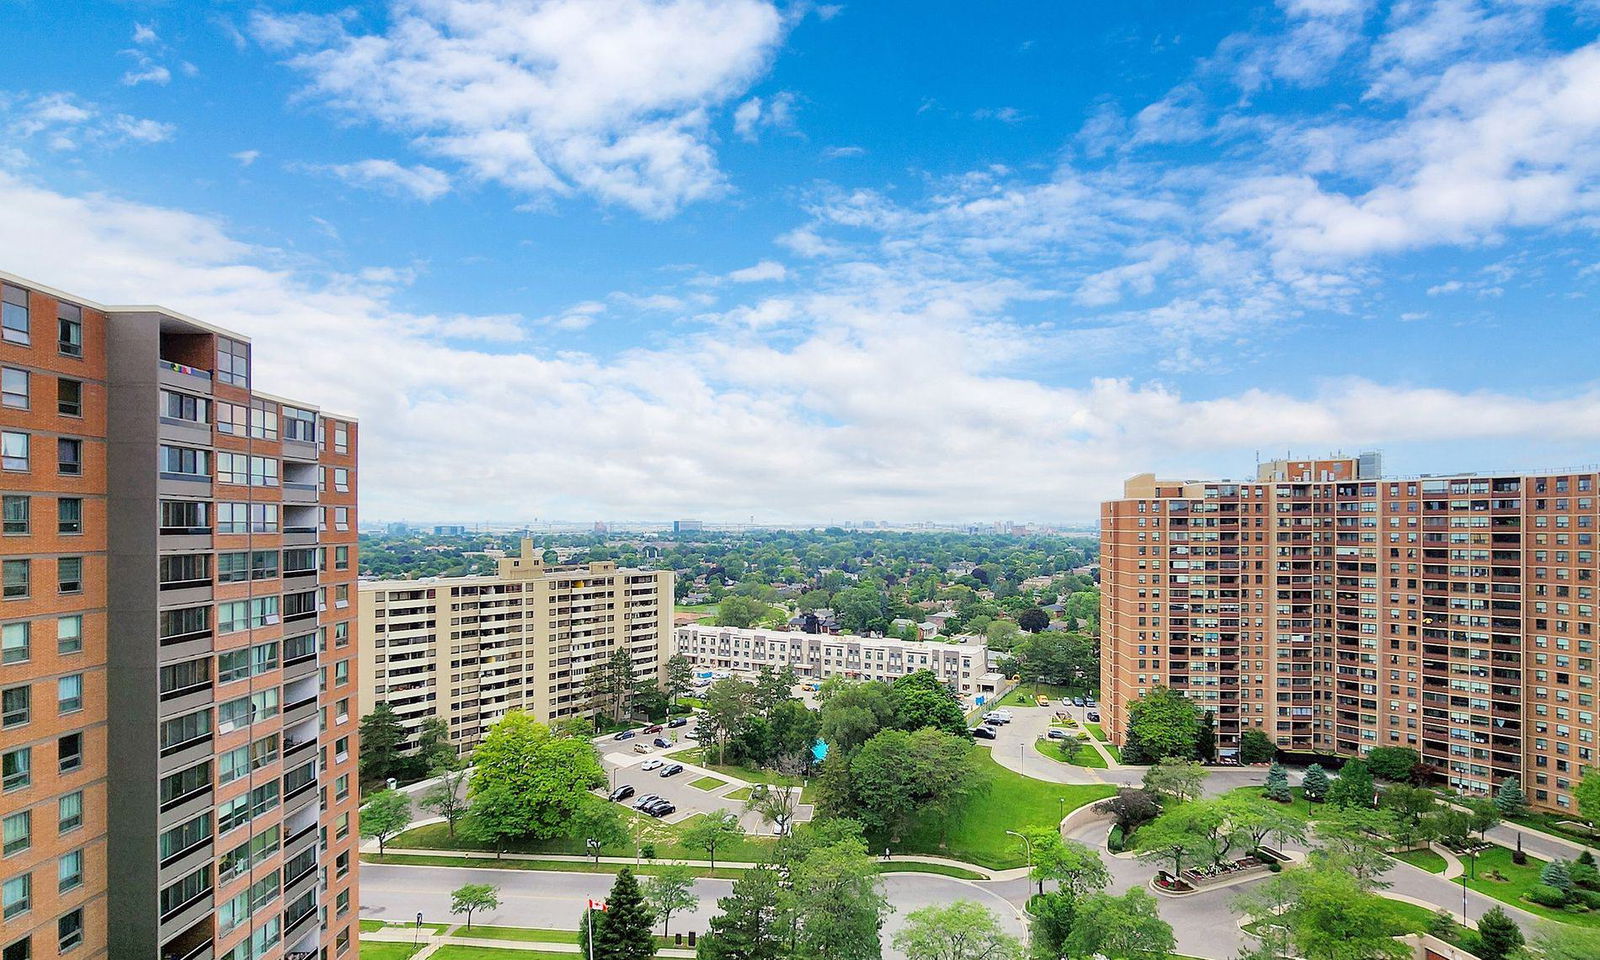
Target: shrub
[[1392, 763], [1519, 858], [1585, 875], [1274, 865], [1443, 925], [1115, 840], [1556, 874], [1547, 896], [647, 851]]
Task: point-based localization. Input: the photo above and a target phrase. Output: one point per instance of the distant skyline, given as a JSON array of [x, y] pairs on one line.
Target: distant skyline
[[712, 258]]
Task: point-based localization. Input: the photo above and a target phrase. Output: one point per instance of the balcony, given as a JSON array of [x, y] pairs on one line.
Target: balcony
[[181, 377]]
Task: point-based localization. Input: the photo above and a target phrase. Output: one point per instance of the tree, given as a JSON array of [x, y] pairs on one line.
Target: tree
[[852, 713], [1033, 620], [527, 783], [1446, 825], [899, 778], [1392, 763], [385, 814], [730, 702], [1485, 814], [1077, 868], [1315, 783], [774, 804], [1260, 820], [838, 893], [678, 677], [472, 897], [1174, 840], [380, 737], [1499, 937], [921, 699], [1509, 799], [1001, 635], [1179, 779], [1053, 914], [670, 891], [599, 820], [611, 685], [962, 930], [626, 933], [1256, 747], [710, 831], [1165, 724], [435, 752], [1132, 808], [1120, 928], [1354, 788], [447, 798], [1587, 794], [1205, 742], [1278, 784], [742, 612], [752, 921], [1328, 914], [1354, 841], [1556, 874]]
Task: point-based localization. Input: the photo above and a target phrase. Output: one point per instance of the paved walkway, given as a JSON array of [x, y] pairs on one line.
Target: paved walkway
[[459, 935]]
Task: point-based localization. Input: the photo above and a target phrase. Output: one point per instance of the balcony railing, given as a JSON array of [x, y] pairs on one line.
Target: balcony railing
[[184, 369]]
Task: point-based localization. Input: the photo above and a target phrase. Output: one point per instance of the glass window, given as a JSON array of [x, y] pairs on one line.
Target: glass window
[[263, 472], [233, 714], [263, 658], [233, 567], [263, 420], [14, 642], [233, 468], [233, 764], [69, 931], [69, 329], [181, 894], [183, 406], [69, 515], [189, 728], [69, 574], [233, 665], [69, 634], [341, 437], [299, 425], [69, 397], [69, 751], [13, 451], [69, 693], [14, 576], [15, 704], [16, 768], [14, 510], [69, 812], [14, 315], [183, 569], [184, 517], [14, 388], [69, 871], [233, 616], [22, 950], [233, 518], [185, 461], [17, 830], [16, 896], [187, 623], [69, 456], [233, 362]]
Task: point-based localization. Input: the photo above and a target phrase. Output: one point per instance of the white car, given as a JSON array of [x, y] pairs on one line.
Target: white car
[[651, 764]]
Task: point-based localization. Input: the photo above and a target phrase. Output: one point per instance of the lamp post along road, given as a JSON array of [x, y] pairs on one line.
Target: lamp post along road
[[1028, 846]]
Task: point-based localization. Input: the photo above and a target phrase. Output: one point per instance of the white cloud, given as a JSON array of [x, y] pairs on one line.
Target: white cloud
[[610, 97], [834, 153], [420, 181], [246, 157], [766, 270], [144, 33], [64, 123], [147, 73], [755, 114]]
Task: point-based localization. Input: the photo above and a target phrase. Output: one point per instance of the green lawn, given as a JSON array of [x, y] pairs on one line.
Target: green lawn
[[378, 950], [1518, 880], [1095, 729], [1424, 858], [458, 952], [1013, 802], [664, 836], [695, 607], [372, 926], [526, 934], [708, 783], [1085, 756], [743, 793], [1115, 751], [942, 869], [696, 755]]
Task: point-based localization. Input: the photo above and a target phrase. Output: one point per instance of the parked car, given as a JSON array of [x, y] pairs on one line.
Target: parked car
[[661, 808], [653, 728], [651, 764], [678, 722], [672, 769], [1077, 701], [640, 748], [1092, 717], [1089, 702], [622, 793], [1004, 715], [645, 800], [985, 733], [1057, 734], [623, 735], [663, 742]]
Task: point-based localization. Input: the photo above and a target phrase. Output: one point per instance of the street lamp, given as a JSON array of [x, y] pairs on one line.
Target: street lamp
[[1028, 845], [1060, 802]]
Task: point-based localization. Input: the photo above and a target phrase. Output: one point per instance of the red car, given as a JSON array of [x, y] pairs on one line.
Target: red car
[[653, 728]]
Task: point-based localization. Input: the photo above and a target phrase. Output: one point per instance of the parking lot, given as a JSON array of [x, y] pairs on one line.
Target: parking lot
[[623, 766]]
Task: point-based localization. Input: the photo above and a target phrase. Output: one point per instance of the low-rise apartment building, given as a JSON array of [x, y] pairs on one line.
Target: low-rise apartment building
[[815, 656], [469, 649]]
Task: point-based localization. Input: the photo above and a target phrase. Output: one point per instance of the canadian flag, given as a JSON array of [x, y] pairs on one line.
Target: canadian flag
[[597, 905]]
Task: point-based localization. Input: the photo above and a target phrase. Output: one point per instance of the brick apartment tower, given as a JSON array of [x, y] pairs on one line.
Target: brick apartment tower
[[1338, 610], [178, 673]]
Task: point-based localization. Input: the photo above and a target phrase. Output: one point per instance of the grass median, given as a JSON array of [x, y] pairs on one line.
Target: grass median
[[646, 868], [1081, 756]]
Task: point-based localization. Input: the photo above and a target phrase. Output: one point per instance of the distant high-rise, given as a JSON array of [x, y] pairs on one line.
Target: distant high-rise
[[1337, 611], [687, 526], [449, 530], [176, 662]]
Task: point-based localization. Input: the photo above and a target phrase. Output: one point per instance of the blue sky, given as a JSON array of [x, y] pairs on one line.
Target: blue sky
[[944, 260]]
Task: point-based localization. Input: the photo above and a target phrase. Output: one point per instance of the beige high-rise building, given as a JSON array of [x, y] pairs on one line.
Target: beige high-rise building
[[469, 649], [1338, 610]]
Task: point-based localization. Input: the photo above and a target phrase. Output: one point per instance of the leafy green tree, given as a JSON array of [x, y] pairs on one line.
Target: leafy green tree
[[1354, 788], [1053, 914], [1178, 779], [710, 831], [773, 803], [472, 897], [1446, 825], [742, 612], [1256, 747], [385, 814], [1074, 866], [961, 930], [1278, 784], [611, 685], [594, 818], [1260, 820], [1174, 840], [730, 703], [838, 892], [862, 610], [1509, 799], [1392, 763], [678, 677], [1354, 841], [1131, 808], [853, 713], [752, 922], [1002, 635], [1120, 928], [1485, 815], [1033, 620], [1329, 915], [626, 933], [898, 778], [448, 798], [1499, 937], [527, 783], [1315, 783], [921, 699], [1165, 724], [670, 891], [380, 737], [435, 752]]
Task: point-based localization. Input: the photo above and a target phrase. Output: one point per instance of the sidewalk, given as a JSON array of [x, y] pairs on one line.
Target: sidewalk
[[457, 935]]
